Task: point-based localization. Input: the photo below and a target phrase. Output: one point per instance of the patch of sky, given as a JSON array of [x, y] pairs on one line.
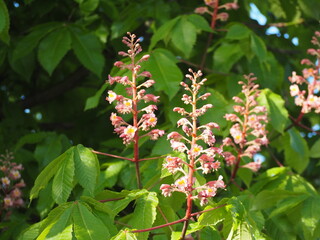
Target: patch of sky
[[38, 116], [258, 157], [27, 111], [257, 15], [16, 4]]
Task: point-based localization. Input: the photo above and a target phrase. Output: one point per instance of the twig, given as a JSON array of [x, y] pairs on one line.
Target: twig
[[164, 217], [178, 221], [153, 158], [111, 199], [111, 155]]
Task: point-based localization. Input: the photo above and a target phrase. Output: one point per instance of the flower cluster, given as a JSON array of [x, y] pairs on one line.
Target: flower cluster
[[308, 99], [248, 132], [11, 183], [188, 142], [211, 5], [136, 92]]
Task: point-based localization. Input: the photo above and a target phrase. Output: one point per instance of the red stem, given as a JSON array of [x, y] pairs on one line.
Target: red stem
[[178, 221], [153, 158], [212, 25], [111, 155]]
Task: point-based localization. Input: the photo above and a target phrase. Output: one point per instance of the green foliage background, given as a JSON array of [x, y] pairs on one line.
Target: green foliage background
[[54, 59]]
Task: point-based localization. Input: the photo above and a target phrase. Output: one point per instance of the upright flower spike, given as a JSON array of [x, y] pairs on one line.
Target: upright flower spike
[[198, 157], [143, 120], [248, 132], [306, 97], [10, 185]]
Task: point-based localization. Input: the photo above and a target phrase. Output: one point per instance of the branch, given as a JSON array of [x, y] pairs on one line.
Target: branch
[[111, 155], [178, 221]]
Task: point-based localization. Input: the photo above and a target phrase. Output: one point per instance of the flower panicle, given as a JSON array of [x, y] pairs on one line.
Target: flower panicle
[[248, 133], [304, 88], [211, 5], [192, 142], [11, 183], [136, 93]]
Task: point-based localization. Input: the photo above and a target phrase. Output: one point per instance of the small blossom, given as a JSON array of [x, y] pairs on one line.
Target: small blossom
[[172, 164], [150, 109], [116, 120], [175, 136], [150, 98], [201, 10], [166, 190], [253, 166], [111, 96], [5, 181], [178, 146], [7, 202], [16, 193], [229, 158], [195, 151], [154, 134], [14, 174]]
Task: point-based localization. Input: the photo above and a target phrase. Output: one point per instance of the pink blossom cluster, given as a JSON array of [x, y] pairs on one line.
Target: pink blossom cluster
[[189, 143], [212, 4], [136, 87], [307, 98], [248, 132], [11, 183]]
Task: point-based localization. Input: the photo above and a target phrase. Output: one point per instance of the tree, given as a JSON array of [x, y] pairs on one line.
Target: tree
[[55, 61]]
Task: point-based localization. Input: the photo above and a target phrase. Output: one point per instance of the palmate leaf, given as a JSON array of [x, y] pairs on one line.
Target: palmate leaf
[[49, 171], [184, 36], [87, 168], [63, 181], [53, 218], [144, 213], [86, 225], [62, 230], [88, 50], [125, 235], [163, 67], [296, 151], [277, 113], [53, 48]]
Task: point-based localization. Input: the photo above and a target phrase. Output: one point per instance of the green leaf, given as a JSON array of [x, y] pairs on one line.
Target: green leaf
[[99, 206], [315, 150], [144, 213], [258, 47], [87, 226], [215, 216], [269, 198], [31, 232], [4, 23], [87, 168], [52, 219], [31, 138], [163, 33], [296, 151], [199, 22], [63, 181], [310, 215], [226, 56], [238, 32], [286, 204], [53, 48], [62, 229], [47, 173], [88, 50], [92, 102], [88, 6], [164, 71], [29, 42], [277, 113], [310, 8], [125, 235], [184, 36]]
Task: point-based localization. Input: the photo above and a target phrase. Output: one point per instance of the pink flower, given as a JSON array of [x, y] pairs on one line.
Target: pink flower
[[155, 134], [7, 202], [253, 166], [231, 117], [208, 137], [201, 10], [116, 120], [111, 96], [5, 181], [178, 146], [229, 158], [294, 90], [16, 193], [183, 121], [148, 120], [124, 106], [150, 109], [172, 164], [217, 184], [166, 190], [180, 110], [150, 98], [236, 133], [195, 151], [175, 136]]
